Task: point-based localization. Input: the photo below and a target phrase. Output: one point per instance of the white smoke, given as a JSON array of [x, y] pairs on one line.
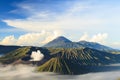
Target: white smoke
[[27, 72], [37, 56]]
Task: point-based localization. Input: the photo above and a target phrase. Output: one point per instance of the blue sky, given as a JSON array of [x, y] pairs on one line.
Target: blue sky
[[92, 20]]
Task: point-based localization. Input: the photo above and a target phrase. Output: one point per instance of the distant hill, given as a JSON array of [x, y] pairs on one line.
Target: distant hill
[[96, 46], [7, 49], [62, 42]]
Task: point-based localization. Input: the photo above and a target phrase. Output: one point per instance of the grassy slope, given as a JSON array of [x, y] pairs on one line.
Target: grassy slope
[[64, 60], [14, 55], [69, 61]]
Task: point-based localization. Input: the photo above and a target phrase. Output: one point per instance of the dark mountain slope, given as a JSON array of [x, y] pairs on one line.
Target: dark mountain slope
[[7, 49], [96, 46], [24, 55], [14, 55], [62, 60], [77, 61]]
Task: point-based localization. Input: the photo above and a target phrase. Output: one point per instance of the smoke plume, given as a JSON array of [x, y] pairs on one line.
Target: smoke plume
[[36, 56]]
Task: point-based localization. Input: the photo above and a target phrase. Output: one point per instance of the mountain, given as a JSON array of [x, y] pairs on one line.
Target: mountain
[[14, 55], [77, 61], [62, 42], [96, 46], [58, 41], [23, 54], [6, 49], [62, 60]]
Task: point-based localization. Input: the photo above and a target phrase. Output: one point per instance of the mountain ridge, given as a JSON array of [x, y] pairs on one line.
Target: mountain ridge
[[64, 57], [60, 43], [62, 60], [71, 60], [4, 49]]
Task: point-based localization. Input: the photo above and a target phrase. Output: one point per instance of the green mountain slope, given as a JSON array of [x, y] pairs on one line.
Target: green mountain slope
[[63, 60], [24, 54], [14, 55], [72, 61]]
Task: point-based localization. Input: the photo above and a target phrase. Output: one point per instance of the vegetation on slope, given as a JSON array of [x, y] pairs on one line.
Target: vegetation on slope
[[73, 61], [14, 55], [63, 60], [24, 54]]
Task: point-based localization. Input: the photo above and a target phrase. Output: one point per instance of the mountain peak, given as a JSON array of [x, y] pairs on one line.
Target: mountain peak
[[61, 40]]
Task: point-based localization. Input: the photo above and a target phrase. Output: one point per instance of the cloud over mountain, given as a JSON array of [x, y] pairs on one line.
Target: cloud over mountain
[[41, 38], [74, 17], [31, 39], [100, 37]]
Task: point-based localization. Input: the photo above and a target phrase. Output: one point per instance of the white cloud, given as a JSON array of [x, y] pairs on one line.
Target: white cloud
[[27, 72], [71, 19], [82, 16], [9, 40], [49, 38], [32, 25], [100, 37], [31, 39], [85, 36], [41, 38], [115, 45]]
